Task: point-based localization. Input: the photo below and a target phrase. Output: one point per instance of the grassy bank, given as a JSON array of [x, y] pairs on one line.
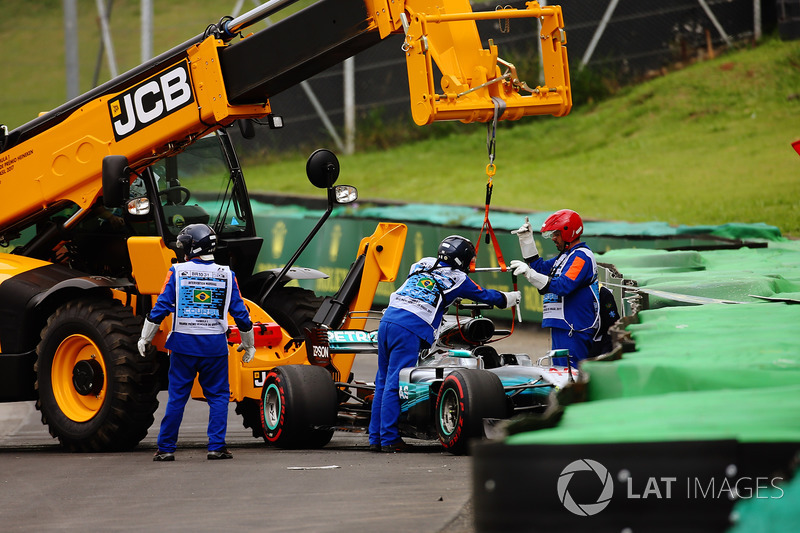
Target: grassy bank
[[708, 144]]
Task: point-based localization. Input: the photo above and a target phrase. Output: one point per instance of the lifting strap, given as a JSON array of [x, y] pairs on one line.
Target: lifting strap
[[499, 109], [491, 169]]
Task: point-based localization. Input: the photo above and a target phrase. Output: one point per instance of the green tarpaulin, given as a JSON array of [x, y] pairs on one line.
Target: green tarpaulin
[[769, 414], [466, 216], [708, 347]]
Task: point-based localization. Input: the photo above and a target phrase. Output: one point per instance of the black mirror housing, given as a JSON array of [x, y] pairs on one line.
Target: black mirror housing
[[246, 128], [116, 180], [322, 168]]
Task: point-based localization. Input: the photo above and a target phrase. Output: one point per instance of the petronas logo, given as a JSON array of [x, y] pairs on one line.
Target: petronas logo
[[201, 296]]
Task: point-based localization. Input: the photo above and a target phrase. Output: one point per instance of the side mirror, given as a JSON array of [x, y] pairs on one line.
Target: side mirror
[[116, 180], [322, 168]]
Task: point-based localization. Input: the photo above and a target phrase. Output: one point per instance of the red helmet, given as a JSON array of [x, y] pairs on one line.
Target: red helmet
[[566, 221]]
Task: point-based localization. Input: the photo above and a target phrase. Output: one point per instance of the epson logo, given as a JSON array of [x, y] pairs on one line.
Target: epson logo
[[151, 100]]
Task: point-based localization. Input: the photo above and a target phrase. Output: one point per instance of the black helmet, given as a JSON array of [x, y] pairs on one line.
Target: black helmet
[[197, 239], [457, 252]]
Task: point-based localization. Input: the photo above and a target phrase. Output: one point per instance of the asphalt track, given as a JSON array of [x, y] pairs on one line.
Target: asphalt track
[[341, 488]]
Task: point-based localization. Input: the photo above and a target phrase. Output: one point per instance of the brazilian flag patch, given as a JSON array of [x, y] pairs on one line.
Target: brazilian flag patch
[[201, 296], [426, 283]]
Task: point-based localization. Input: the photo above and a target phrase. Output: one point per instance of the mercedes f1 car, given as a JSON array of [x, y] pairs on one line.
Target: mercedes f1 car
[[457, 384]]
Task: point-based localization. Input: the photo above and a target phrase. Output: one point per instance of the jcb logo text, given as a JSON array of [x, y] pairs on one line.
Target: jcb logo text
[[151, 100]]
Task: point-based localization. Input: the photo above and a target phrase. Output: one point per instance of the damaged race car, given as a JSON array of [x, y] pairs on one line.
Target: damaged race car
[[458, 384]]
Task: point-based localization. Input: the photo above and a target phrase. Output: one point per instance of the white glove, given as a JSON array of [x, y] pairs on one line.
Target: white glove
[[512, 298], [248, 345], [526, 243], [149, 331], [534, 278]]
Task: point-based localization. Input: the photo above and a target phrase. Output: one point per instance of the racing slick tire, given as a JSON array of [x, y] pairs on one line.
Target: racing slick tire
[[293, 308], [96, 394], [465, 399], [299, 406]]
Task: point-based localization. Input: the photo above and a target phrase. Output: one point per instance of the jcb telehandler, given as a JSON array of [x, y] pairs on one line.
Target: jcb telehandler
[[94, 192]]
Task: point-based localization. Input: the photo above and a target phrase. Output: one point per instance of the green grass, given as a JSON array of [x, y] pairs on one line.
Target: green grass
[[709, 144]]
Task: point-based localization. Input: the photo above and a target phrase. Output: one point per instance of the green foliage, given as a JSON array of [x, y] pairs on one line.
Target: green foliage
[[378, 130], [592, 85]]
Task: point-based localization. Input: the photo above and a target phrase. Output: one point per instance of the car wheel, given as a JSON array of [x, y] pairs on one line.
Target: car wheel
[[299, 404], [465, 399], [293, 308]]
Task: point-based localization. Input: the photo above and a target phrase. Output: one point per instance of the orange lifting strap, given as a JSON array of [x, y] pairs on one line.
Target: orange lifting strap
[[491, 169], [499, 108]]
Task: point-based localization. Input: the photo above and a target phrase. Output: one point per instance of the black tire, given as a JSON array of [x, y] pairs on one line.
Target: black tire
[[96, 393], [293, 308], [296, 400], [465, 399]]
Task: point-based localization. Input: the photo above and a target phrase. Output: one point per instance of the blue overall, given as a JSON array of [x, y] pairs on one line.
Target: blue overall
[[201, 299], [571, 305], [409, 324]]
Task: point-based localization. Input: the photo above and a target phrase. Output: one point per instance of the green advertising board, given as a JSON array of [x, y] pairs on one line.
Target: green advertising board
[[333, 250]]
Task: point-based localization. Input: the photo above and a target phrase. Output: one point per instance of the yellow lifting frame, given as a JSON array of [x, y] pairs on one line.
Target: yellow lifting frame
[[445, 32]]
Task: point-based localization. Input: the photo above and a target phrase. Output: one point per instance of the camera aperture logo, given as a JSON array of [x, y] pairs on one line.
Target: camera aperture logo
[[585, 509]]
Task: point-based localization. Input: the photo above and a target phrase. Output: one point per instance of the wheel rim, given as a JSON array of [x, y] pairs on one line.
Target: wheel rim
[[78, 353], [449, 412], [272, 406]]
